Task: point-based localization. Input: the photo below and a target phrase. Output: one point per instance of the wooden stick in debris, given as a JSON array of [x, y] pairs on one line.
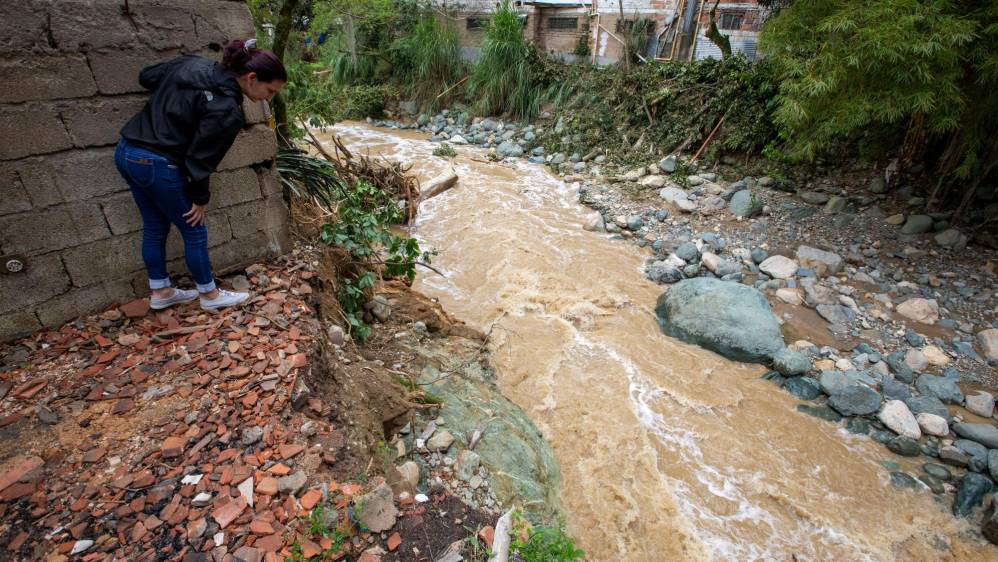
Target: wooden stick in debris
[[459, 82], [707, 141], [438, 185]]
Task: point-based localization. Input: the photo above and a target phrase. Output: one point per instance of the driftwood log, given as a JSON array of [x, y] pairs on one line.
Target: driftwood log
[[438, 185]]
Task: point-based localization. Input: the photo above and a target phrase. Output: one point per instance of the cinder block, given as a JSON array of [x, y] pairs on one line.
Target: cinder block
[[117, 71], [13, 197], [253, 145], [84, 174], [167, 24], [270, 180], [36, 128], [240, 252], [73, 304], [256, 111], [23, 26], [247, 219], [104, 259], [277, 224], [84, 25], [52, 229], [121, 213], [32, 76], [234, 187], [98, 122], [18, 324], [43, 278], [226, 20]]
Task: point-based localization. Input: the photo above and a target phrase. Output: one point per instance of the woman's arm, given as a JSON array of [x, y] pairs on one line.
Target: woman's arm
[[217, 130]]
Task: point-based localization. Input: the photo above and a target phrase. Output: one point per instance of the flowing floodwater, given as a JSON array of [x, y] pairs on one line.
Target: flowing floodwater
[[668, 452]]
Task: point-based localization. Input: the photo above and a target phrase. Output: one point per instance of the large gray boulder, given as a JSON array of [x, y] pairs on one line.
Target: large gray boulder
[[942, 388], [857, 400], [985, 434], [745, 204], [731, 319]]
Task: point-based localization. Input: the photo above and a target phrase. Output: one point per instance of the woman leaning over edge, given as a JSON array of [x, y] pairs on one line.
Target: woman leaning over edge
[[169, 149]]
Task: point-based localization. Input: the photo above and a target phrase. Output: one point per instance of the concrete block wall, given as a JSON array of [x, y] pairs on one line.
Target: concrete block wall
[[70, 75]]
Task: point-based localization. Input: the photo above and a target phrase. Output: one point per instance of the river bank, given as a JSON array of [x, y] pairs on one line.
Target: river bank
[[565, 305]]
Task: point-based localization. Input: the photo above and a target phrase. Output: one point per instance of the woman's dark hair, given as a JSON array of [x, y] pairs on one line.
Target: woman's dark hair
[[242, 57]]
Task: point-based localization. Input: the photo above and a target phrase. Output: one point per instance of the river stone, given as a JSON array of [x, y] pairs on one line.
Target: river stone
[[813, 197], [834, 382], [900, 369], [929, 404], [971, 493], [440, 441], [985, 434], [915, 359], [952, 238], [937, 471], [917, 224], [932, 424], [688, 252], [904, 446], [779, 267], [894, 390], [635, 222], [859, 426], [993, 463], [896, 416], [989, 527], [467, 464], [292, 483], [790, 296], [595, 222], [954, 456], [836, 314], [409, 474], [981, 403], [835, 204], [934, 484], [376, 509], [745, 203], [509, 149], [921, 310], [663, 272], [904, 481], [935, 356], [978, 454], [804, 388], [815, 293], [823, 263], [668, 164], [678, 198], [855, 400], [940, 387], [654, 182], [988, 341], [791, 363], [731, 319], [823, 412]]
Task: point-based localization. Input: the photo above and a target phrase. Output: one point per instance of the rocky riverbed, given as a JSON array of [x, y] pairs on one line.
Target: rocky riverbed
[[876, 314]]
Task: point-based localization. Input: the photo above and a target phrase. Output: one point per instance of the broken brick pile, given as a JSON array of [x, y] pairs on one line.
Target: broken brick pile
[[144, 435]]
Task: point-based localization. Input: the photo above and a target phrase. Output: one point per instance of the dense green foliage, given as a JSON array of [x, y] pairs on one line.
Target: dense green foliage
[[427, 60], [541, 544], [502, 80], [920, 73]]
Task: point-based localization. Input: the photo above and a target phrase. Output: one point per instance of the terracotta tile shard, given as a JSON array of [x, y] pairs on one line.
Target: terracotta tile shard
[[136, 309], [122, 406], [288, 450], [394, 541], [229, 512], [270, 543], [260, 527], [309, 549], [173, 446], [19, 467], [487, 534], [94, 455], [310, 498], [30, 388], [18, 541], [267, 486], [279, 469]]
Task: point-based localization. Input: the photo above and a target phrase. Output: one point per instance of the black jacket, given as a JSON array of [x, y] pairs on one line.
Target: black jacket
[[192, 117]]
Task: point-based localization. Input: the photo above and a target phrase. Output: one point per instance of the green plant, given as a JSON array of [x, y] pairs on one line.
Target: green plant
[[308, 177], [427, 60], [501, 80], [543, 544], [445, 151], [582, 43], [363, 227]]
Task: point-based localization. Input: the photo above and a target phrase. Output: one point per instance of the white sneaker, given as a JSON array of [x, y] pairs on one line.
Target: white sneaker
[[179, 296], [224, 299]]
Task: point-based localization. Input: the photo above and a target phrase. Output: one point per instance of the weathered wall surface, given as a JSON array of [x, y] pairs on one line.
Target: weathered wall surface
[[69, 70]]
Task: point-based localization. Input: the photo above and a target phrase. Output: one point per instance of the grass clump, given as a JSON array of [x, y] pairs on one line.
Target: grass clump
[[445, 151], [502, 80], [542, 544], [427, 60]]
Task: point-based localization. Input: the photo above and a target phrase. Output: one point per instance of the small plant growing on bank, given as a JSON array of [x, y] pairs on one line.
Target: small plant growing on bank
[[445, 151], [542, 544], [501, 81]]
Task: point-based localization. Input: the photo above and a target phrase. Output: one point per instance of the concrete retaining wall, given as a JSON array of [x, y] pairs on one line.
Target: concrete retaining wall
[[70, 75]]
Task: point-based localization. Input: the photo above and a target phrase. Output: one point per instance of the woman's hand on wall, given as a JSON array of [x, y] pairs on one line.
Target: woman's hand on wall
[[195, 216]]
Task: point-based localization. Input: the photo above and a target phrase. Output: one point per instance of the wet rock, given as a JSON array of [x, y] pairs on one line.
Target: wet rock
[[904, 481], [836, 314], [904, 446], [678, 198], [509, 149], [981, 403], [993, 464], [933, 484], [688, 252], [779, 267], [971, 493], [835, 204], [654, 182], [900, 369], [937, 471], [745, 204], [985, 434], [791, 363], [663, 272], [952, 238], [668, 164], [595, 222], [440, 441], [916, 360], [932, 424], [942, 388], [978, 454], [921, 310], [953, 456], [823, 263], [834, 382], [859, 426], [855, 401], [894, 390], [988, 342], [759, 255], [989, 526], [899, 419], [376, 509], [804, 388], [823, 412], [731, 319], [928, 404], [917, 224], [467, 464], [790, 296], [718, 265], [813, 197]]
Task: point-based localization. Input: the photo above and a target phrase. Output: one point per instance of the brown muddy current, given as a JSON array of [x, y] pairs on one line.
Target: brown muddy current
[[668, 452]]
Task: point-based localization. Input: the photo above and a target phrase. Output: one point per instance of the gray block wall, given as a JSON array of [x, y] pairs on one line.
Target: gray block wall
[[69, 70]]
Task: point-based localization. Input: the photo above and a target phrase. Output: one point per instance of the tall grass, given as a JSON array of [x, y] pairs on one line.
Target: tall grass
[[428, 60], [501, 80]]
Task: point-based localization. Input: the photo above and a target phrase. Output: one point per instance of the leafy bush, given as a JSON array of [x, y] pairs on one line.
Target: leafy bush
[[427, 60], [544, 544], [445, 151], [501, 80]]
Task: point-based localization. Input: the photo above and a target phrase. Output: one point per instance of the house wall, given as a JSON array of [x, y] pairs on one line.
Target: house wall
[[69, 231], [743, 40]]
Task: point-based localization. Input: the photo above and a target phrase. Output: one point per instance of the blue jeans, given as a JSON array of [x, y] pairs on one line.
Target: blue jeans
[[158, 188]]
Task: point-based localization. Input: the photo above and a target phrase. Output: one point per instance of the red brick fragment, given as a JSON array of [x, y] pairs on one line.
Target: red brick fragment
[[136, 309], [309, 549], [309, 499], [267, 486], [122, 406], [173, 446], [486, 535], [229, 512], [288, 450], [261, 527], [394, 541], [19, 466], [270, 543]]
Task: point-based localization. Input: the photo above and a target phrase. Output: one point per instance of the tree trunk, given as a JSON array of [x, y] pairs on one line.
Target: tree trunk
[[715, 35], [281, 34]]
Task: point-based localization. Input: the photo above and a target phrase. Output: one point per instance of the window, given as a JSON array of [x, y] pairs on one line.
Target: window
[[732, 21], [477, 22], [563, 23]]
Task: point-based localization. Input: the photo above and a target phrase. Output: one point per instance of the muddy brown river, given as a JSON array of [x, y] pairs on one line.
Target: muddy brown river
[[668, 452]]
